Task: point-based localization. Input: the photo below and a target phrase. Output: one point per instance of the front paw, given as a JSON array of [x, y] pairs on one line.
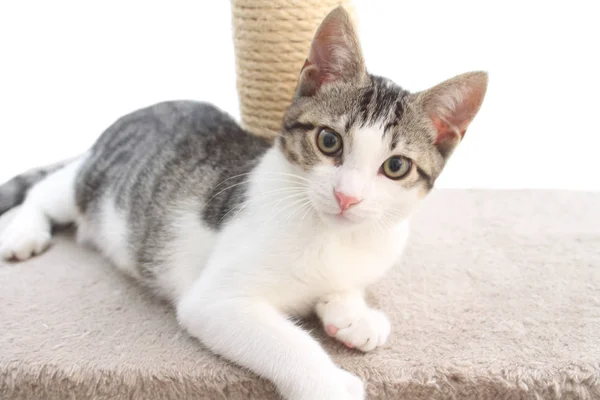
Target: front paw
[[356, 326], [353, 386], [333, 384], [24, 238]]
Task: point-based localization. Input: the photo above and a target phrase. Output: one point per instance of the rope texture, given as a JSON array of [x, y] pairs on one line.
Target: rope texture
[[271, 41]]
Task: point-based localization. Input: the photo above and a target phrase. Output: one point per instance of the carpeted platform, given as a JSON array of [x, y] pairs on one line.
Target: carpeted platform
[[498, 297]]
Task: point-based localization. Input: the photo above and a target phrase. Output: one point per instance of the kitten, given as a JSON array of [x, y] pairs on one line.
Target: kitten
[[241, 233]]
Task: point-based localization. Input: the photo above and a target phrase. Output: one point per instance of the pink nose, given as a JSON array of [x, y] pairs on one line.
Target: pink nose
[[345, 201]]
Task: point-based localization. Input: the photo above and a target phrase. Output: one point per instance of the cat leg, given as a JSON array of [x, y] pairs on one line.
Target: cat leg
[[255, 335], [52, 200], [348, 318]]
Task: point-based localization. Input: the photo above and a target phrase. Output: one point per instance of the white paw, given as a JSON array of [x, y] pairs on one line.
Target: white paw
[[335, 384], [24, 238], [353, 385], [356, 326]]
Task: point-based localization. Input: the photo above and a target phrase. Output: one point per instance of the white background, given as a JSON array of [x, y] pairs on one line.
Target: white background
[[69, 68]]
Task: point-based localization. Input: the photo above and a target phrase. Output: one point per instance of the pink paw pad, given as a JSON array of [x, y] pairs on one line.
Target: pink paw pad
[[331, 330], [349, 345]]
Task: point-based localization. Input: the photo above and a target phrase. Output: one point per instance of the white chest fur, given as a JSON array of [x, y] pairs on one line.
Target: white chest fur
[[276, 249], [279, 251], [291, 262]]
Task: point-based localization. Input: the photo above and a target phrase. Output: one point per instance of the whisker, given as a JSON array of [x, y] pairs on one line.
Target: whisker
[[298, 210], [288, 174], [277, 200], [228, 187], [248, 181], [269, 173], [286, 207], [287, 197], [379, 225], [308, 208], [398, 214]]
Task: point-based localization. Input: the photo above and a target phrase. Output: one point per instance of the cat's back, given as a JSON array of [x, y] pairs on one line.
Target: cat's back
[[154, 148], [156, 168]]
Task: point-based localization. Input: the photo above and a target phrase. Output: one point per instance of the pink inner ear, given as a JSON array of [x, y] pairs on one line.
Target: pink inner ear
[[445, 131], [307, 63], [316, 73], [453, 124], [452, 105], [334, 53]]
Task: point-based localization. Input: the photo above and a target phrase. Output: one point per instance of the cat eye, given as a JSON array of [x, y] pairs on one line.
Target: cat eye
[[329, 142], [396, 167]]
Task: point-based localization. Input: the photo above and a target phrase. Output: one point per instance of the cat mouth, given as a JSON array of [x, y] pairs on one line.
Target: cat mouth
[[341, 219]]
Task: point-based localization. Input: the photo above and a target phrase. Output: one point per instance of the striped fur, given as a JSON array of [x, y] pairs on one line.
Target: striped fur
[[13, 192]]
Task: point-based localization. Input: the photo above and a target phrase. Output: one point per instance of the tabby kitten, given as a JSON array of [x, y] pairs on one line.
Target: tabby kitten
[[240, 233]]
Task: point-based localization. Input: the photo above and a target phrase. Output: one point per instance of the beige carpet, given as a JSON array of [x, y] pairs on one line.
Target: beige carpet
[[498, 297]]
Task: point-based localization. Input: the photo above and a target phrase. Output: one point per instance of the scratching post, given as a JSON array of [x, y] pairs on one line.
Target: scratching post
[[271, 40]]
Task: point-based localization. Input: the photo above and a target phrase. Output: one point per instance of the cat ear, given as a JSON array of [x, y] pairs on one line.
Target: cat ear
[[452, 105], [335, 54]]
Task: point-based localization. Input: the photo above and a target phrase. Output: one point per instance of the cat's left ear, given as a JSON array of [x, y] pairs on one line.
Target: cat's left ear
[[335, 55], [451, 106]]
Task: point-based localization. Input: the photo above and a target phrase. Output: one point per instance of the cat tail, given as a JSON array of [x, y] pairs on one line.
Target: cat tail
[[13, 192]]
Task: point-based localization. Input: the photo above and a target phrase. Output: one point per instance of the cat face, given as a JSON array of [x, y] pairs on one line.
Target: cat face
[[370, 149]]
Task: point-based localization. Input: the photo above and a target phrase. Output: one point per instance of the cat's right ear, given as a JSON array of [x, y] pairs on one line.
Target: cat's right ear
[[451, 107], [335, 55]]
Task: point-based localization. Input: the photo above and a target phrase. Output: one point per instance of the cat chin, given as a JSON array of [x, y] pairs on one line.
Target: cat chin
[[339, 221]]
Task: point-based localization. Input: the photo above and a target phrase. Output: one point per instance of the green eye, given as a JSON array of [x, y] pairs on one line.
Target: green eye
[[329, 142], [396, 167]]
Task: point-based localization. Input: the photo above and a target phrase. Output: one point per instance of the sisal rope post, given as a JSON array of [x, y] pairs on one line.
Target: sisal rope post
[[271, 42]]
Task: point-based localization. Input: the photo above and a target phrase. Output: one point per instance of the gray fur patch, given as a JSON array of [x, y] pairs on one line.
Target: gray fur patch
[[13, 192], [157, 158]]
